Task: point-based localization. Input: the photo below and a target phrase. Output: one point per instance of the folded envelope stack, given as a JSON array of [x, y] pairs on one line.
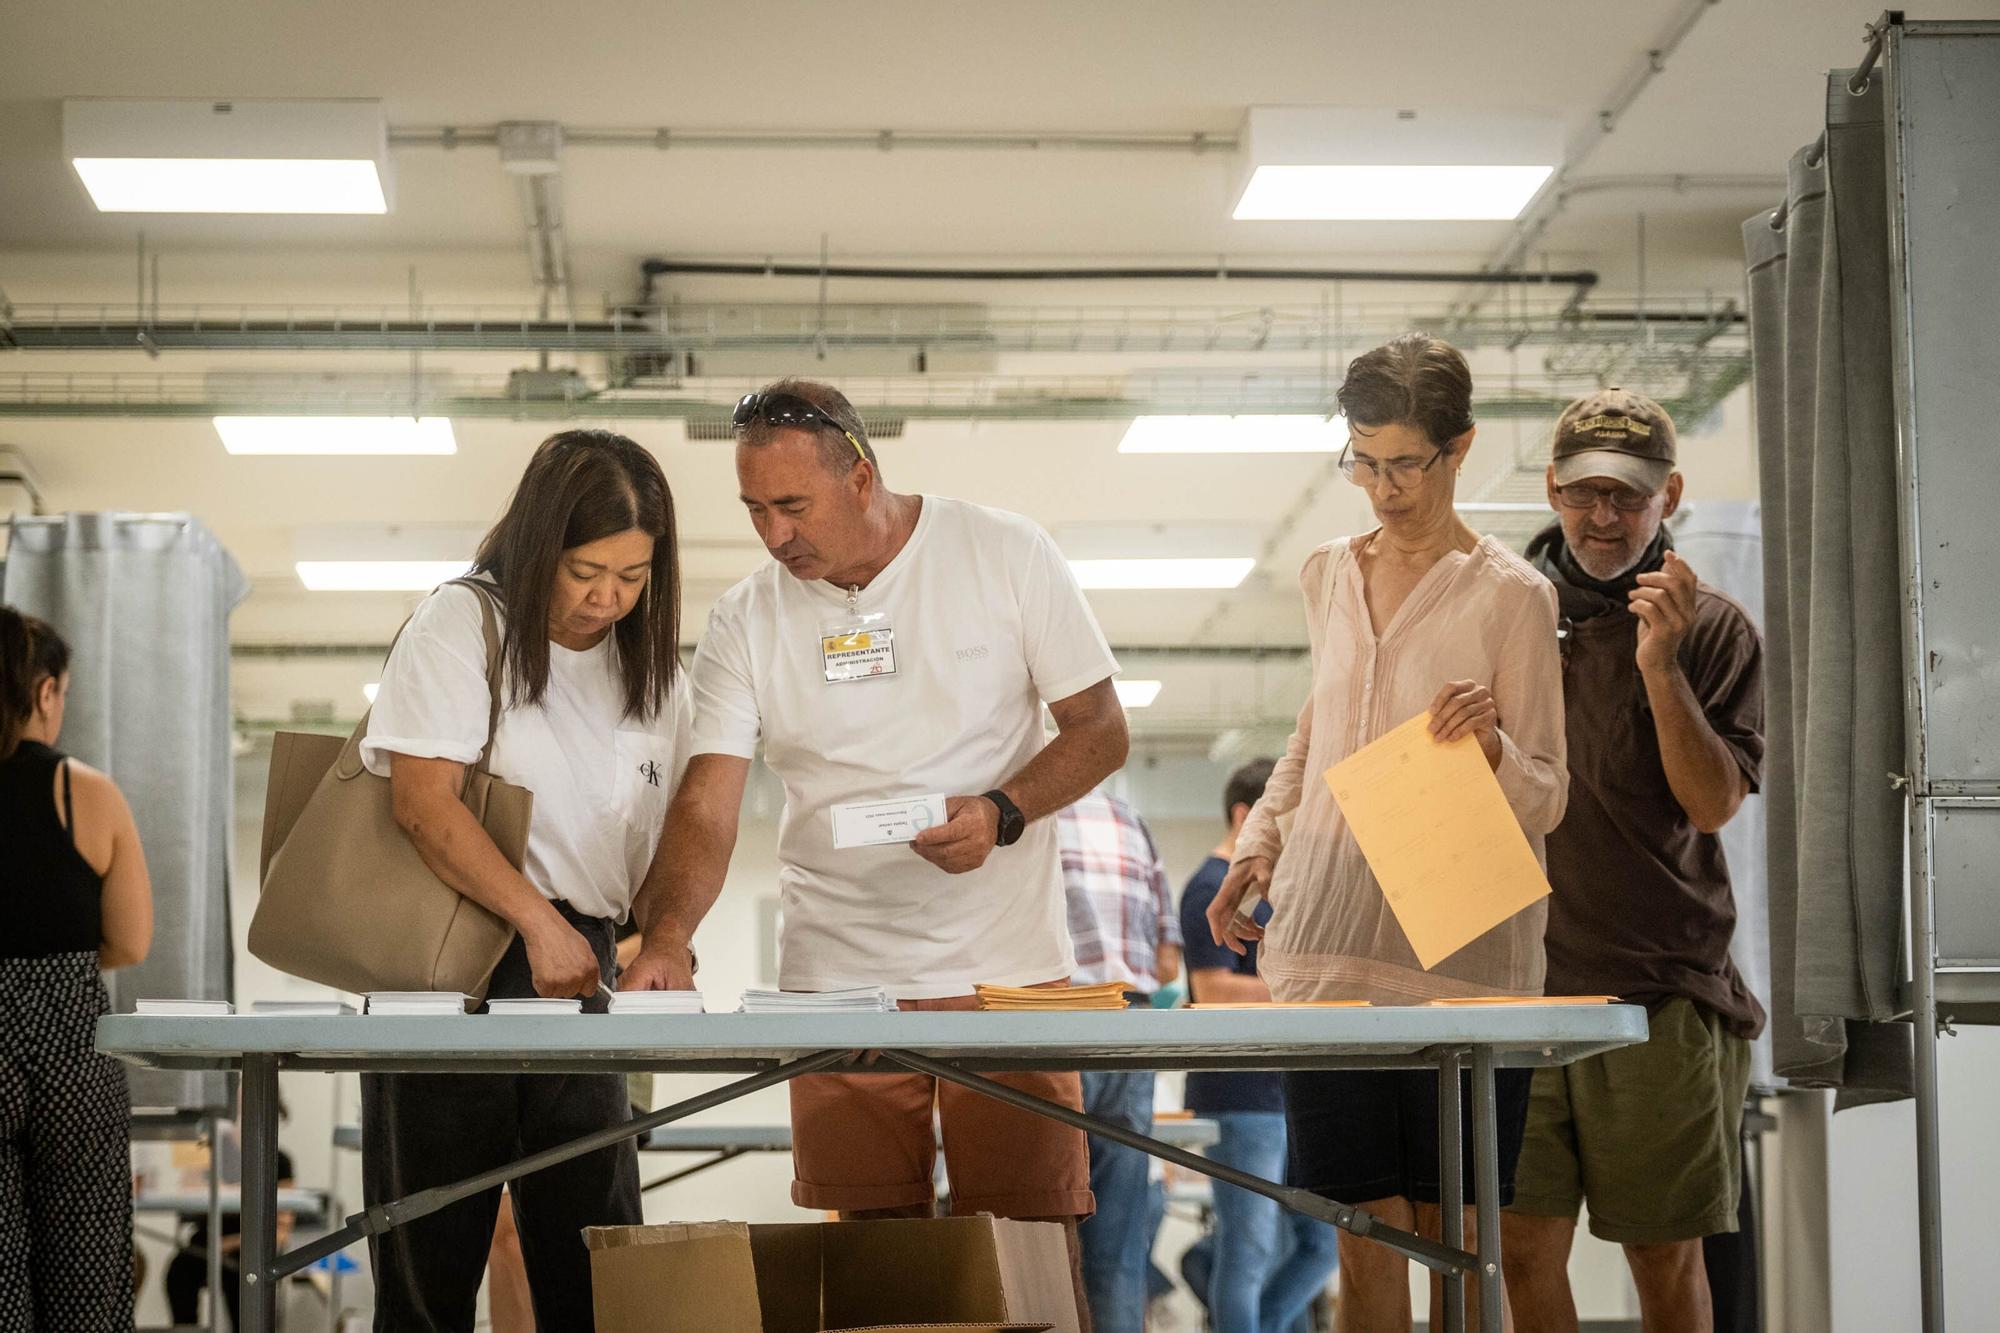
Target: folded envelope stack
[[1110, 995]]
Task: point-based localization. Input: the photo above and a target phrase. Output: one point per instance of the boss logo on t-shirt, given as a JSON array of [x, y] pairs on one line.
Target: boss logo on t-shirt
[[973, 654]]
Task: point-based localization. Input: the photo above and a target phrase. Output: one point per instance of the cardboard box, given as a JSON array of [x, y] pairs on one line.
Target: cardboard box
[[969, 1274]]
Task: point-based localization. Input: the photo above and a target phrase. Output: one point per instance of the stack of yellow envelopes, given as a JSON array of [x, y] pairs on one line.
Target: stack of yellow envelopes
[[1110, 995]]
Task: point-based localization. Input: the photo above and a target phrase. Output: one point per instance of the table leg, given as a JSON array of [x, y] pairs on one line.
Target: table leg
[[260, 1194], [1486, 1182], [1451, 1168], [213, 1124]]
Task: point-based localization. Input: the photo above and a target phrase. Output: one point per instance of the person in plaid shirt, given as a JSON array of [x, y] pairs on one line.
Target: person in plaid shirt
[[1124, 928]]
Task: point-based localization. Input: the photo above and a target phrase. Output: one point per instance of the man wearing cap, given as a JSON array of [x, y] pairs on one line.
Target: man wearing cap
[[1663, 683], [896, 649]]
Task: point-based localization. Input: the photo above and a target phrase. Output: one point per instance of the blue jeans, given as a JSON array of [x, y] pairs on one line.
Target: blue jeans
[[1265, 1264], [1118, 1240]]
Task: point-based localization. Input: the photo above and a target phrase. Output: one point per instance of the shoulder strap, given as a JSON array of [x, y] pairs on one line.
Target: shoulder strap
[[349, 763], [489, 628]]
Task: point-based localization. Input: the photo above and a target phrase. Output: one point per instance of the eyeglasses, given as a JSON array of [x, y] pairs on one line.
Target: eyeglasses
[[1623, 498], [785, 409], [1403, 472]]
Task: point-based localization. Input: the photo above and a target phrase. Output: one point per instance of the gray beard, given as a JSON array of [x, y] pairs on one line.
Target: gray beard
[[1594, 565]]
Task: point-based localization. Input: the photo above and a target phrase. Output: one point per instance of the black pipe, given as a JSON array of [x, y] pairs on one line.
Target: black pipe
[[1581, 279]]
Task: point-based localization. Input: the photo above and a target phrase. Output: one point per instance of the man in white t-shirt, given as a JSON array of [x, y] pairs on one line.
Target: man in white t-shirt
[[899, 646]]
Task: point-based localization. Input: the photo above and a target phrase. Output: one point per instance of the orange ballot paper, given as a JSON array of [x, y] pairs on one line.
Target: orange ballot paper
[[1439, 835]]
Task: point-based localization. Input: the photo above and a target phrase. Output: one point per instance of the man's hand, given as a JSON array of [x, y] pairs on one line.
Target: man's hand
[[1664, 603], [560, 960], [1466, 708], [1167, 964], [666, 965], [970, 831], [1225, 924]]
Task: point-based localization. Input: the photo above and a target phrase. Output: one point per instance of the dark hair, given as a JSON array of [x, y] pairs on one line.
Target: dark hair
[[1414, 380], [30, 653], [582, 486], [834, 449], [1246, 786]]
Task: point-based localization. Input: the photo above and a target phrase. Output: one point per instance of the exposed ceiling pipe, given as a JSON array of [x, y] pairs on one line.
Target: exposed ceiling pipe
[[1535, 220], [665, 139], [1579, 280]]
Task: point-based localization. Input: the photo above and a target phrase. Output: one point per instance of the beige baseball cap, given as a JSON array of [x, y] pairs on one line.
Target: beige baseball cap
[[1617, 434]]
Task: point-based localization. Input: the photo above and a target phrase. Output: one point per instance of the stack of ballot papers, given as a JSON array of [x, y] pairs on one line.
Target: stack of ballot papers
[[302, 1008], [535, 1005], [1110, 995], [657, 1002], [1521, 999], [860, 1000], [416, 1003], [185, 1008]]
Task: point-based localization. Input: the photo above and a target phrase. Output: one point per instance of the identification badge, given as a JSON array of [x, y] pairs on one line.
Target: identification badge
[[857, 646], [874, 823]]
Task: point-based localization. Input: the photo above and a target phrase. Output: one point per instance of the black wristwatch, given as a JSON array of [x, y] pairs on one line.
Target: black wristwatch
[[1012, 822]]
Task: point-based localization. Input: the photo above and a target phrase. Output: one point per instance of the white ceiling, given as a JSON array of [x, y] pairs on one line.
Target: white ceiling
[[1738, 98]]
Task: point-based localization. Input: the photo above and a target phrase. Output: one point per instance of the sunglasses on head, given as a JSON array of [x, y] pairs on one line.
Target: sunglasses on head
[[787, 409]]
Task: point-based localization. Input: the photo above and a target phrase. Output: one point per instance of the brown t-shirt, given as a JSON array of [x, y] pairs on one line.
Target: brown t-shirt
[[1643, 907]]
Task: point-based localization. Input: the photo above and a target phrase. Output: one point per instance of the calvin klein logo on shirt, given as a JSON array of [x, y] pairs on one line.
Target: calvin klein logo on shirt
[[974, 653], [651, 772]]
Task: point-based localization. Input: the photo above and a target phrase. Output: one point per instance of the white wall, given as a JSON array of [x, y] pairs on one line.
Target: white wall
[[1873, 1198]]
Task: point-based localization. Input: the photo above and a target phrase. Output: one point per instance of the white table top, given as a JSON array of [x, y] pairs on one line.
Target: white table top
[[1275, 1038]]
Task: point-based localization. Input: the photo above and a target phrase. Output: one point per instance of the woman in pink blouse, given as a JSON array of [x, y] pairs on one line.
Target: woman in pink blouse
[[1421, 613]]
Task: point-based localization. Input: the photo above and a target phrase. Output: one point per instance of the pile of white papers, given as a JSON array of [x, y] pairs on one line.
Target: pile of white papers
[[657, 1002], [302, 1008], [412, 1003], [185, 1008], [535, 1005], [860, 1000]]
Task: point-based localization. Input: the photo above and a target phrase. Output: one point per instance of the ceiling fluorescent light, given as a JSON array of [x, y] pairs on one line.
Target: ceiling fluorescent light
[[1389, 194], [229, 157], [1224, 572], [378, 575], [1136, 693], [1235, 435], [336, 435], [1354, 164]]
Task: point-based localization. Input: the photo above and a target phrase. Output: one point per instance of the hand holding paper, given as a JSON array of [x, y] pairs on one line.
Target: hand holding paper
[[876, 823], [1437, 831]]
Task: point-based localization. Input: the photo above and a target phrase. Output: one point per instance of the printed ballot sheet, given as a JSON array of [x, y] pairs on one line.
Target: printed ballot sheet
[[1439, 835]]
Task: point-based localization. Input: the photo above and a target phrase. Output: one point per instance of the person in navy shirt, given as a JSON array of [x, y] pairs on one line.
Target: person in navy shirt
[[1262, 1266]]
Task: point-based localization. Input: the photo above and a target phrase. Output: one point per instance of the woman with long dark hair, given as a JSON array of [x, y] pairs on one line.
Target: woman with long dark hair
[[78, 900], [583, 573]]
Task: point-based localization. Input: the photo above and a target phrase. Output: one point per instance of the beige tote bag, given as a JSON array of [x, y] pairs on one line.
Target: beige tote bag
[[347, 901]]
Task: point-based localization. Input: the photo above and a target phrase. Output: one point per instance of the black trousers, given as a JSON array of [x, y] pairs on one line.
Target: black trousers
[[187, 1274], [425, 1130]]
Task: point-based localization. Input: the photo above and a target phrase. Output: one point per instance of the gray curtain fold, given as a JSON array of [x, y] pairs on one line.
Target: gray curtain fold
[[1819, 311], [144, 601]]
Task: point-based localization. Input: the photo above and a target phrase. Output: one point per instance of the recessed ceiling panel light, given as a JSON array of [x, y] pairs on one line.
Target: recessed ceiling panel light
[[378, 575], [337, 435], [228, 156], [1235, 435], [1364, 164], [1136, 693], [1224, 572], [1390, 193]]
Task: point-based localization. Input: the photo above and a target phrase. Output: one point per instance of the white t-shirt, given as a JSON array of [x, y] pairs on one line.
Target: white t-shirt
[[601, 780], [988, 624]]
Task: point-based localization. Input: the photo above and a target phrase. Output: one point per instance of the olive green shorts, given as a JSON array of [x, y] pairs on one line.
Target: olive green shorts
[[1647, 1136]]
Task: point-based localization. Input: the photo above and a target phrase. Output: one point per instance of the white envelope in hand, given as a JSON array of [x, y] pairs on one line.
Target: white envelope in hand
[[875, 823]]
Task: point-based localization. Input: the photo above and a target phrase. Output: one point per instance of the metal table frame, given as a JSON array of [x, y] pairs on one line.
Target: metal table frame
[[960, 1048]]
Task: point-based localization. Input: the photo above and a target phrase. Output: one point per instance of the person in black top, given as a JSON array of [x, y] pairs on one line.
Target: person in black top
[[77, 898], [1262, 1267], [187, 1272]]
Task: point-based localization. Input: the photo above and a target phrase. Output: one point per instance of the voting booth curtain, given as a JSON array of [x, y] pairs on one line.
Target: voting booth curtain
[[1818, 271], [144, 602]]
